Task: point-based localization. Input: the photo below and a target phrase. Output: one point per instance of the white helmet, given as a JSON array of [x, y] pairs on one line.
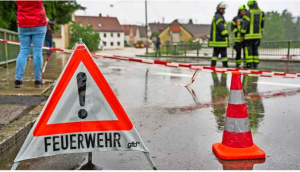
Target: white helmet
[[221, 5]]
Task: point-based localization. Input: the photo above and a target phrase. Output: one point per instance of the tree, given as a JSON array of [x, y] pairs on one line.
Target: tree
[[274, 29], [58, 11], [8, 17], [154, 35], [89, 36], [288, 24], [297, 29], [61, 11], [231, 34]]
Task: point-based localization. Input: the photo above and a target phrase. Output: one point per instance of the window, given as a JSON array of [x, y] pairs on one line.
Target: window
[[175, 37], [119, 35], [119, 44], [112, 34], [104, 44], [112, 44], [104, 35]]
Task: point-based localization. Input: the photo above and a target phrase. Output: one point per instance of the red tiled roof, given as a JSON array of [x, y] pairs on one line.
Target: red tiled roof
[[102, 24], [157, 27], [142, 31], [127, 29], [175, 29], [196, 30]]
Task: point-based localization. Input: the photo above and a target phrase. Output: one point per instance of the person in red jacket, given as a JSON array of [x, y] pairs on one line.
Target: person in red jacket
[[32, 25]]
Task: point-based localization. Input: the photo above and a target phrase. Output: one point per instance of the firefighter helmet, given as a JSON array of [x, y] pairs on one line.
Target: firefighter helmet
[[221, 5]]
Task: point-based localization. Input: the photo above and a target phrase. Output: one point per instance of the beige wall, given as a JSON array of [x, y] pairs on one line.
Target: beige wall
[[166, 36]]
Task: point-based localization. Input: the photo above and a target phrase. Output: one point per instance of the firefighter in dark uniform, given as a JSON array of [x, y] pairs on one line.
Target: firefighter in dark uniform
[[219, 93], [236, 26], [252, 29], [219, 36]]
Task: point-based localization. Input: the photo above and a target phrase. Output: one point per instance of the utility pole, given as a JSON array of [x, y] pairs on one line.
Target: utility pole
[[146, 27]]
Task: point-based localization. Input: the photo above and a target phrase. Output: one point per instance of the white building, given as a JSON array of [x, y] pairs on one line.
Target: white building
[[111, 32]]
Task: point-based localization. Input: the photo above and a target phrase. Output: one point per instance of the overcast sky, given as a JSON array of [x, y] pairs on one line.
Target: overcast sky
[[201, 11]]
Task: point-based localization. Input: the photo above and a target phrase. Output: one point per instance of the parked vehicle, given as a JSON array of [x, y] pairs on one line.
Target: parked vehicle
[[140, 44]]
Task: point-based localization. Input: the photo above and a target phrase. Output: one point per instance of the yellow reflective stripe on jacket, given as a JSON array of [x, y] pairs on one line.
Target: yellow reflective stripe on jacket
[[246, 18], [219, 20], [260, 20], [233, 22], [237, 40], [243, 31], [214, 29], [224, 32], [255, 10], [234, 30]]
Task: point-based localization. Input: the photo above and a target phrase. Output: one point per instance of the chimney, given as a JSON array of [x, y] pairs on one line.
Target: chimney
[[100, 15]]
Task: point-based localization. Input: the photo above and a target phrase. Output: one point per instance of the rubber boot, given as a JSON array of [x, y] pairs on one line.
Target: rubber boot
[[255, 65], [225, 64], [249, 65], [213, 63]]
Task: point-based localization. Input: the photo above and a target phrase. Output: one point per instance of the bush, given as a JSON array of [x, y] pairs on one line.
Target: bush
[[89, 36]]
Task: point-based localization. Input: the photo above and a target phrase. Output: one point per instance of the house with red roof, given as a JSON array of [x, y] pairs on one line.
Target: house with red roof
[[141, 33], [130, 34], [177, 33], [111, 32]]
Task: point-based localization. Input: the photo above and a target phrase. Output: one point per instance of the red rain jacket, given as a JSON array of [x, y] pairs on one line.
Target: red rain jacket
[[31, 14]]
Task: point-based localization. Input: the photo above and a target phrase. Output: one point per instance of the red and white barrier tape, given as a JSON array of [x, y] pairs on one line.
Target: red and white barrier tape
[[197, 68]]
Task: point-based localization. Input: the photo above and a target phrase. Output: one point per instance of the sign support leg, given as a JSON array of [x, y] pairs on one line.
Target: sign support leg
[[90, 157], [150, 160], [15, 166]]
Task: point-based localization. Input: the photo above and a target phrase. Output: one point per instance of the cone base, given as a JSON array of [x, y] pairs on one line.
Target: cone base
[[228, 153]]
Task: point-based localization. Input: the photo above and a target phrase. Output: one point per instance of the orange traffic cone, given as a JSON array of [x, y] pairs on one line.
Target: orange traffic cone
[[240, 164], [237, 137]]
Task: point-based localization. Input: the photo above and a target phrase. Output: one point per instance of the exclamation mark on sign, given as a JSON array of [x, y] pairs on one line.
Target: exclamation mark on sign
[[81, 83]]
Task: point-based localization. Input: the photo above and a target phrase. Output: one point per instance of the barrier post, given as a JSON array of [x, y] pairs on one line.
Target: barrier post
[[167, 47], [6, 49], [175, 50], [288, 55], [198, 47]]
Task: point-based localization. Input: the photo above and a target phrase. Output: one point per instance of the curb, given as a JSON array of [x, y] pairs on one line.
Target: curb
[[14, 131], [19, 128]]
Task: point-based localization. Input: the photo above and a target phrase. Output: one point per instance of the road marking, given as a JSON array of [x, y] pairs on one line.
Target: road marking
[[174, 74], [278, 84]]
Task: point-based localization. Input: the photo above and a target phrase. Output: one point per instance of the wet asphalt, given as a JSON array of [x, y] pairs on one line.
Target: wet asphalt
[[179, 125]]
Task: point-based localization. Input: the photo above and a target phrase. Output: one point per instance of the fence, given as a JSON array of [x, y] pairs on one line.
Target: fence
[[287, 49], [181, 49], [9, 52]]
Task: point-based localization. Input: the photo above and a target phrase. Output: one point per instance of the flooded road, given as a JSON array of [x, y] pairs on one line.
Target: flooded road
[[179, 125]]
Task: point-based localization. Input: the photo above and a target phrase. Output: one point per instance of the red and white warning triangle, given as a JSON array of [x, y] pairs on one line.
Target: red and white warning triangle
[[82, 114]]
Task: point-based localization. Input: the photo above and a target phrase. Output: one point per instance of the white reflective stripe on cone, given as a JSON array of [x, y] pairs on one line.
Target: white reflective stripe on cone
[[236, 97], [237, 125]]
